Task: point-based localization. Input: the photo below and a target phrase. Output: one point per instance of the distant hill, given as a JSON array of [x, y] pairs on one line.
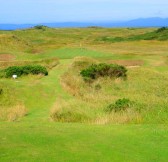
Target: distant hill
[[143, 22]]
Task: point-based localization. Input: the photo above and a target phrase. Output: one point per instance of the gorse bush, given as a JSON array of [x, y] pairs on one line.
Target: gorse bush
[[119, 105], [25, 70], [101, 70]]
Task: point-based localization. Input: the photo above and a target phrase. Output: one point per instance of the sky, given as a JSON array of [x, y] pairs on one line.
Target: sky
[[45, 11]]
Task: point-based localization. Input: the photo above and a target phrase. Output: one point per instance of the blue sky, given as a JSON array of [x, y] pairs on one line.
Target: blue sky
[[39, 11]]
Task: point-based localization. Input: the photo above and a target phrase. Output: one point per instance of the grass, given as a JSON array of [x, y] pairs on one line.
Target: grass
[[141, 82], [160, 34], [85, 132], [78, 142]]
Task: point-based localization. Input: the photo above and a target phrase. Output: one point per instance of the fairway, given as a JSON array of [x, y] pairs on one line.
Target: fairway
[[81, 142], [65, 118]]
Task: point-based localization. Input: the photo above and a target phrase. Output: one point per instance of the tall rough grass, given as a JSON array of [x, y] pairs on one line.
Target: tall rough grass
[[12, 113], [71, 111], [11, 109]]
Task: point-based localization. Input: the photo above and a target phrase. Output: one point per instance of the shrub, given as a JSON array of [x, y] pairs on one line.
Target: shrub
[[101, 70], [25, 70], [119, 105]]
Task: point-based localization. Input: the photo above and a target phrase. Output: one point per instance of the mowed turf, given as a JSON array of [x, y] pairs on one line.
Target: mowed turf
[[43, 141], [36, 138]]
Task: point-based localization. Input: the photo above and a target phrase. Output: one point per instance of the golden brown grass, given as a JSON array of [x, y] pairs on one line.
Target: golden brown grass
[[13, 113], [48, 63], [69, 111], [128, 116], [143, 48], [126, 62]]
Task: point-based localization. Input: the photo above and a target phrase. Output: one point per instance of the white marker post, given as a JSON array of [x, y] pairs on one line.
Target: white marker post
[[14, 76]]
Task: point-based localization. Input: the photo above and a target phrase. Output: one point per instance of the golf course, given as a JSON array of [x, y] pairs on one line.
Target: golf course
[[84, 95]]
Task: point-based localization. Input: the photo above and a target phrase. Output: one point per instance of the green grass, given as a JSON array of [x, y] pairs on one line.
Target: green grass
[[80, 142]]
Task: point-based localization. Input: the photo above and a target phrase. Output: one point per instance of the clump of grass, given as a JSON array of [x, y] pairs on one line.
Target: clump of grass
[[82, 62], [11, 109], [69, 112], [16, 112], [122, 117], [12, 113], [7, 95]]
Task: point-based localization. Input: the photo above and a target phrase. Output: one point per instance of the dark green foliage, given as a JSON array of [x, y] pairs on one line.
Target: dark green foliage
[[119, 105], [25, 70], [102, 70]]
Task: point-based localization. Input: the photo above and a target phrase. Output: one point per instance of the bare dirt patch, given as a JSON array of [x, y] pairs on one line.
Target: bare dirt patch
[[37, 51], [130, 63], [6, 57]]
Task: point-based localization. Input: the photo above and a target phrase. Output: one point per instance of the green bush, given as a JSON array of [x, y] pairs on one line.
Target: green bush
[[101, 70], [25, 70], [119, 105]]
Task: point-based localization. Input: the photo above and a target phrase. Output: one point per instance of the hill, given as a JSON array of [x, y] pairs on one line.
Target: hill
[[142, 22]]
